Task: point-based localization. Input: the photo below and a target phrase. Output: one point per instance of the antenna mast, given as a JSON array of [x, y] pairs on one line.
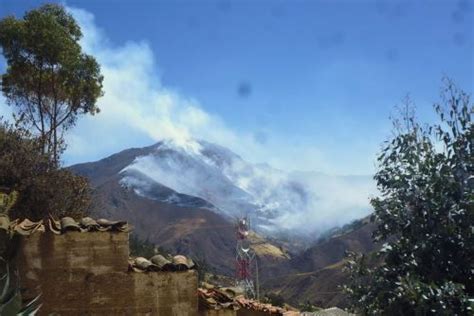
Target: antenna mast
[[244, 258]]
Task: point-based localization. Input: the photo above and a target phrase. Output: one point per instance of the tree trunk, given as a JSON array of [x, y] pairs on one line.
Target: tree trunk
[[40, 109]]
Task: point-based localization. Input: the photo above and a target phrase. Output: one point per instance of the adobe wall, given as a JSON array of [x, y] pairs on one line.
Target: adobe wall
[[221, 312], [230, 312], [86, 274], [248, 312]]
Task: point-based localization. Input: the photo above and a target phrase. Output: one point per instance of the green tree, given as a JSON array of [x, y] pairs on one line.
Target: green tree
[[7, 201], [10, 294], [425, 215], [141, 247], [42, 188], [49, 80]]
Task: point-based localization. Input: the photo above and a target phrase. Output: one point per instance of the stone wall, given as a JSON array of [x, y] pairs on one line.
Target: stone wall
[[87, 274]]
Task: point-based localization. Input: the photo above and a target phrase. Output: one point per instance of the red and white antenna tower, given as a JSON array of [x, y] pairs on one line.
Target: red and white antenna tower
[[244, 258]]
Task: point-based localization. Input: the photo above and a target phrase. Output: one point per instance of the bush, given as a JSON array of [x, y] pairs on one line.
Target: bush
[[42, 187], [275, 299], [141, 248]]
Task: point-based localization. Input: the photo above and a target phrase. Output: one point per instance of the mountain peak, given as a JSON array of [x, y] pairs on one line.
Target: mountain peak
[[197, 173], [188, 145]]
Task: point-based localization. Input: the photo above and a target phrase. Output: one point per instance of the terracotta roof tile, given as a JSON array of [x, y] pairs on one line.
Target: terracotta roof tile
[[27, 227], [211, 297], [160, 263]]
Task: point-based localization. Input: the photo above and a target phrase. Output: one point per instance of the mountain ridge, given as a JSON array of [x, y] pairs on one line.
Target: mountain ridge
[[197, 227], [278, 202]]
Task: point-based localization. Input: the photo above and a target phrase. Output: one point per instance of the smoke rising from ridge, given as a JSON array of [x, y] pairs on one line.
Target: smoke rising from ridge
[[299, 203], [138, 110]]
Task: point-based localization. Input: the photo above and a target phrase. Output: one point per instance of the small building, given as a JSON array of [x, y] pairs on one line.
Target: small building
[[86, 270]]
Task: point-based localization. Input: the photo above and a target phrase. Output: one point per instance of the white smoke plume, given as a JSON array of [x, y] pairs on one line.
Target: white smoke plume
[[137, 110], [137, 104]]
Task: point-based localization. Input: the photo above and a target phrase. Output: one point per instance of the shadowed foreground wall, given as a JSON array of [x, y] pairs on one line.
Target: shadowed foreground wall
[[222, 312], [229, 312], [86, 274]]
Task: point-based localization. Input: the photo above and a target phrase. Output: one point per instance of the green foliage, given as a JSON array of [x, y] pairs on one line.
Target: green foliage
[[141, 248], [48, 80], [425, 213], [42, 187], [204, 269], [10, 297], [7, 200], [308, 307], [11, 302], [275, 299]]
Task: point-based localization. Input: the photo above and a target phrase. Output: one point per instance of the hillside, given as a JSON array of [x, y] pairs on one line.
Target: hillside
[[186, 201], [333, 248], [186, 224], [316, 274], [281, 204]]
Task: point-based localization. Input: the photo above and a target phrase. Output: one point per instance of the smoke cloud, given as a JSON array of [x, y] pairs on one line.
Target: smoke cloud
[[299, 203], [137, 110]]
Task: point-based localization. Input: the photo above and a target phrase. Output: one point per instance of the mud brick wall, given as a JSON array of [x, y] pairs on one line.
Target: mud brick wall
[[86, 274], [221, 312], [248, 312], [229, 312]]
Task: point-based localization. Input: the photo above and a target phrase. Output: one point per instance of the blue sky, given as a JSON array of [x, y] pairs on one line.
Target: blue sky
[[304, 85]]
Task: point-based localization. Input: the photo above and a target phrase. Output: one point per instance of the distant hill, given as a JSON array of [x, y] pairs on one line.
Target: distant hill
[[333, 247], [281, 204], [316, 274], [184, 224]]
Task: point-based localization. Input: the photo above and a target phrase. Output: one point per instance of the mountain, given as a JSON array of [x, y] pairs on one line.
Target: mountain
[[205, 175], [186, 198], [174, 173], [181, 223], [316, 274]]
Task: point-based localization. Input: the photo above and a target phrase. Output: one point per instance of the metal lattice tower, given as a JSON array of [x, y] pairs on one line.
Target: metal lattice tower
[[244, 260]]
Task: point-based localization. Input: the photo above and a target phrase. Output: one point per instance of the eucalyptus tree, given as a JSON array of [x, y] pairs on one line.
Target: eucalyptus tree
[[49, 80], [424, 216]]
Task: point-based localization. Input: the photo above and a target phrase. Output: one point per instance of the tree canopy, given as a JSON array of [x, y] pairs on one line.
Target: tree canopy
[[49, 80], [41, 188], [425, 215]]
